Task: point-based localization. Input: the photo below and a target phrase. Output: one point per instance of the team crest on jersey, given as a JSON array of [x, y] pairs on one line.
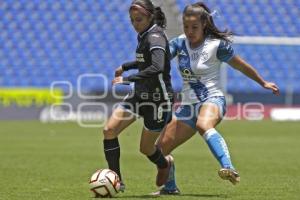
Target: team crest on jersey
[[203, 56], [195, 56]]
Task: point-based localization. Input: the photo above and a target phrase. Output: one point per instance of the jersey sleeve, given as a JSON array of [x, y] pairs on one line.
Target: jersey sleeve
[[158, 63], [129, 65], [173, 44], [225, 51], [157, 41]]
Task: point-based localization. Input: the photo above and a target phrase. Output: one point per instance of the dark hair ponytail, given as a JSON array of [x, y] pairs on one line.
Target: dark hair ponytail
[[159, 17], [203, 12]]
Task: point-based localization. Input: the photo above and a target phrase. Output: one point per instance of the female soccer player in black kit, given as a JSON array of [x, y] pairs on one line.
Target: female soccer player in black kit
[[152, 97]]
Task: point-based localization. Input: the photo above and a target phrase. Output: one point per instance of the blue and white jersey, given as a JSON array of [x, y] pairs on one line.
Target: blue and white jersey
[[200, 67]]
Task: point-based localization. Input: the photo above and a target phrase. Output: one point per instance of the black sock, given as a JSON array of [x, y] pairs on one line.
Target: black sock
[[112, 155], [158, 158]]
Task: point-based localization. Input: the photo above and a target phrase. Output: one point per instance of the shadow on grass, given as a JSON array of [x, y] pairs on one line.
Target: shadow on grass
[[173, 196], [223, 196]]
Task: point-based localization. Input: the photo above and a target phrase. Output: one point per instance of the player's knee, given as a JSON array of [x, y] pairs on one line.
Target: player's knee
[[203, 126], [109, 133]]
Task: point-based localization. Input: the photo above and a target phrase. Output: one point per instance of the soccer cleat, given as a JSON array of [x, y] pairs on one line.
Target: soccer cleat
[[163, 174], [165, 191], [229, 174], [122, 187]]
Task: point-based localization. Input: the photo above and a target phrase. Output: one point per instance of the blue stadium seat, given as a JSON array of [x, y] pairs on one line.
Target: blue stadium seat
[[239, 15], [48, 41], [44, 41], [275, 63]]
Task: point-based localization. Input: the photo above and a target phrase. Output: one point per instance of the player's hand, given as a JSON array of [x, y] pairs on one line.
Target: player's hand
[[272, 86], [117, 80], [119, 71]]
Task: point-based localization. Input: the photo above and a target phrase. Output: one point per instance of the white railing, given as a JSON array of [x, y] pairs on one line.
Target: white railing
[[261, 40]]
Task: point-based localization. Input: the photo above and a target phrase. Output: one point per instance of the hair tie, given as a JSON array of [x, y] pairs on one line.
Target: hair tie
[[215, 13]]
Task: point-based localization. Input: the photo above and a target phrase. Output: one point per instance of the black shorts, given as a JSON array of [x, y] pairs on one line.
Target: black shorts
[[156, 114]]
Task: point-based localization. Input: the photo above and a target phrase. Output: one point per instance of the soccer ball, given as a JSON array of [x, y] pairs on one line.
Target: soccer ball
[[105, 183]]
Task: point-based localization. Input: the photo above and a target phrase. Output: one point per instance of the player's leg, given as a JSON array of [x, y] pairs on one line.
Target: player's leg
[[119, 120], [156, 116], [210, 114], [179, 130], [176, 133], [147, 143], [154, 154]]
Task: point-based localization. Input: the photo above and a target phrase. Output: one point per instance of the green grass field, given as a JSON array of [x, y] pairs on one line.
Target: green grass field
[[54, 161]]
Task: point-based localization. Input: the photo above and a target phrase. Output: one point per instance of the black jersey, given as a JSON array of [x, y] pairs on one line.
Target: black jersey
[[153, 63]]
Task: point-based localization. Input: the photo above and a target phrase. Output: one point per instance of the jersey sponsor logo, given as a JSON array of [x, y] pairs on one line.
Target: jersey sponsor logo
[[140, 57], [186, 72], [187, 75]]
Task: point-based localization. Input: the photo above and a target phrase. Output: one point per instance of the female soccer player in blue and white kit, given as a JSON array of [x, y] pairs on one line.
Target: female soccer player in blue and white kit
[[200, 52]]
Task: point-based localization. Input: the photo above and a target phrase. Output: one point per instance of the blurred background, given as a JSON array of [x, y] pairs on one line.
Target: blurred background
[[63, 54]]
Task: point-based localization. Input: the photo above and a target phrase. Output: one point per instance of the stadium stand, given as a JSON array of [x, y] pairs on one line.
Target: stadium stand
[[255, 17], [45, 41]]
